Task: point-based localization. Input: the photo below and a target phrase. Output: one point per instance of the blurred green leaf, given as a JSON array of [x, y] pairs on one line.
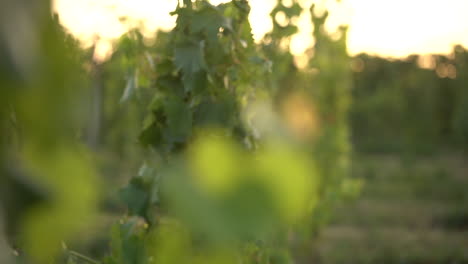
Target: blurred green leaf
[[189, 57]]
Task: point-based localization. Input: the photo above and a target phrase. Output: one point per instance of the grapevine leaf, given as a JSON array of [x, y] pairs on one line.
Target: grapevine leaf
[[170, 83], [189, 57], [133, 250], [151, 133], [195, 82], [208, 20], [135, 197], [246, 35], [217, 113], [179, 120], [164, 67]]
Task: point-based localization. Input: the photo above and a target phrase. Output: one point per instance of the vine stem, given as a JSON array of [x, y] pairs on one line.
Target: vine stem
[[83, 257]]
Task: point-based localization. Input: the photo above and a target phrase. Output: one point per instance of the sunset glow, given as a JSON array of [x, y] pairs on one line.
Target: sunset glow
[[394, 28]]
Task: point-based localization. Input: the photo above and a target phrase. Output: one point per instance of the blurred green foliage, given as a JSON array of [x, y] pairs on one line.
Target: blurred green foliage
[[42, 158], [238, 154], [400, 106]]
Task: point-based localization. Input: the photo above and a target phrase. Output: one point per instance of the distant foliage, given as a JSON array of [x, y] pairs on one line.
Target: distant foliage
[[410, 108]]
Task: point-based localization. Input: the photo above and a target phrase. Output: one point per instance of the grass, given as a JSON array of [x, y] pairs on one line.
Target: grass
[[410, 211]]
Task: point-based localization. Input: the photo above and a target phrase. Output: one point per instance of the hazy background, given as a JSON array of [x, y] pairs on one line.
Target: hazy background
[[388, 28]]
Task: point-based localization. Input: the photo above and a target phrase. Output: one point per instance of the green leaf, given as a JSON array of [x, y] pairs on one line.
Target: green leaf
[[128, 242], [189, 57], [170, 84], [135, 197], [164, 67], [209, 20], [151, 132], [179, 120], [196, 82], [218, 113]]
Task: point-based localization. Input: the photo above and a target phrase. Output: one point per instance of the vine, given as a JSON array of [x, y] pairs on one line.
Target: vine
[[231, 176]]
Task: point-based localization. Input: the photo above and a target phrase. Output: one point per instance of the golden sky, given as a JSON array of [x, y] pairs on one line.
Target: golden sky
[[391, 28]]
